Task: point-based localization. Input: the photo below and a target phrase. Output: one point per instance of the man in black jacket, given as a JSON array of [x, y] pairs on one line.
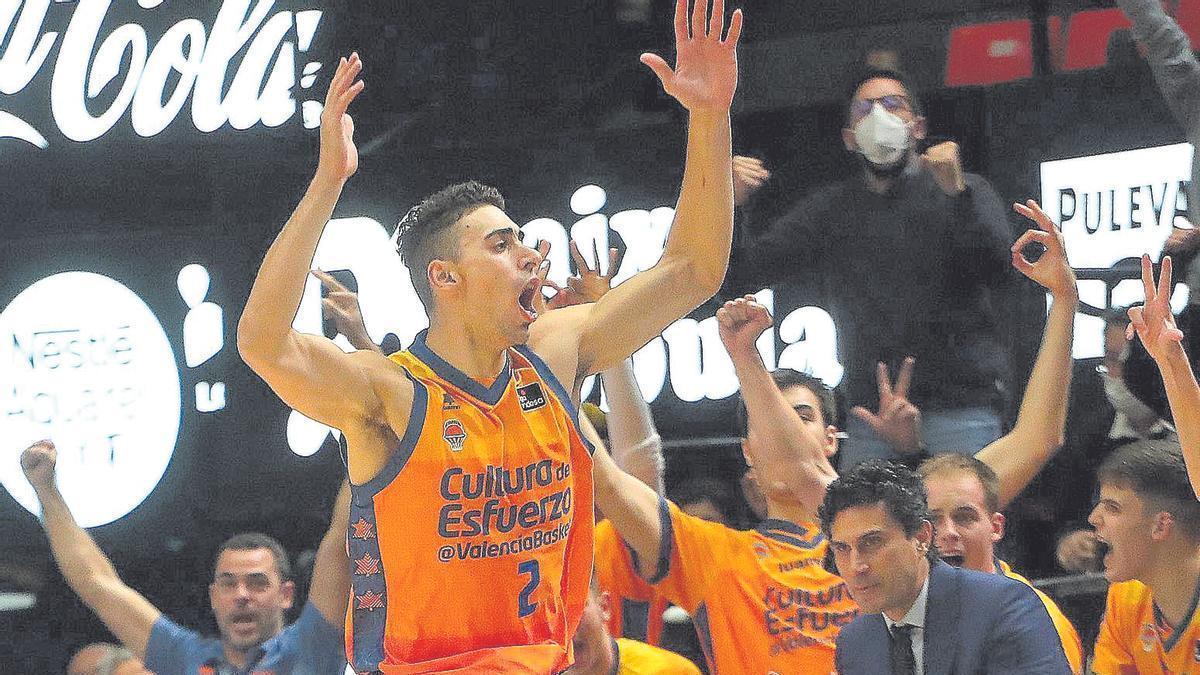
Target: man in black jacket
[[909, 254]]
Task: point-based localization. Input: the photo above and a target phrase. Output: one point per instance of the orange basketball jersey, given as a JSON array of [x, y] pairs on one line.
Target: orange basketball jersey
[[1135, 640], [761, 600], [472, 550]]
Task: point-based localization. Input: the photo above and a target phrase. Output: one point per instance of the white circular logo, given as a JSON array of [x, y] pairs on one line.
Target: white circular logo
[[86, 364]]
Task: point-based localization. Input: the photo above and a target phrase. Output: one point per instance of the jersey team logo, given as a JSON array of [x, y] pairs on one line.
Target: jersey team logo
[[1196, 651], [531, 396], [455, 434]]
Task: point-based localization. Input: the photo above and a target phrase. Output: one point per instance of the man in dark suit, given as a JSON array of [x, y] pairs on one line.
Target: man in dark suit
[[921, 615]]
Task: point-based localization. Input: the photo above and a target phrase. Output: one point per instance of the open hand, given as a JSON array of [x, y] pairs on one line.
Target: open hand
[[38, 462], [898, 421], [739, 323], [1052, 269], [339, 157], [705, 74], [749, 174], [1153, 322], [588, 285]]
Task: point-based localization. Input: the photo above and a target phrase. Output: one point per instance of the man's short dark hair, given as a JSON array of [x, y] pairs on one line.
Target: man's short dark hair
[[786, 378], [721, 492], [952, 462], [252, 541], [866, 73], [1155, 470], [421, 235], [899, 489]]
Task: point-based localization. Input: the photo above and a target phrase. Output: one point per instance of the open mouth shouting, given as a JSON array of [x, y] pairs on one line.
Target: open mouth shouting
[[526, 299]]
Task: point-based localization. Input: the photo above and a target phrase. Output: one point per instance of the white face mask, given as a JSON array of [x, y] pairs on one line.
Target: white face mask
[[882, 137]]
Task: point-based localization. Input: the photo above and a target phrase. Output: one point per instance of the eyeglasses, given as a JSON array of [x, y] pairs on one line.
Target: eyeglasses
[[891, 103]]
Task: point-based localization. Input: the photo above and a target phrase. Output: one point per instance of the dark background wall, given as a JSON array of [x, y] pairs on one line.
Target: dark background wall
[[536, 97]]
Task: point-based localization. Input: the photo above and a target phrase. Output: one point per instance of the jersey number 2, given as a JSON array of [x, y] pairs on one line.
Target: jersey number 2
[[530, 567]]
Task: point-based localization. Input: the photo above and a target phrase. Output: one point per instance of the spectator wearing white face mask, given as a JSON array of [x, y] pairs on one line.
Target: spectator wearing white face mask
[[1132, 419], [888, 250]]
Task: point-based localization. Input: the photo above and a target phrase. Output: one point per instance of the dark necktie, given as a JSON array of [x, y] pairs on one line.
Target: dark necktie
[[903, 661]]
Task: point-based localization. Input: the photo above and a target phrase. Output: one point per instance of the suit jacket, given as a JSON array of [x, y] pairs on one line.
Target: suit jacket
[[974, 623]]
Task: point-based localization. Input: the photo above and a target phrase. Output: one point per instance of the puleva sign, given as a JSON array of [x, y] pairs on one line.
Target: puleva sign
[[248, 44]]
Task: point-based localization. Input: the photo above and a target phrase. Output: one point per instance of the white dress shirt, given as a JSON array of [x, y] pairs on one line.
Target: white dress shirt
[[915, 618]]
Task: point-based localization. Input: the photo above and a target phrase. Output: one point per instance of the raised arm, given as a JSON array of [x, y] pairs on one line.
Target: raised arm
[[636, 445], [1155, 326], [1169, 53], [329, 591], [309, 372], [631, 505], [1018, 456], [697, 249], [790, 460], [125, 612]]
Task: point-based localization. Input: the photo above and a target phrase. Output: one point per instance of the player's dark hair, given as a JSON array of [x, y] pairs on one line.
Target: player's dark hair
[[721, 493], [953, 462], [866, 73], [422, 235], [786, 378], [899, 489], [1156, 472], [252, 541]]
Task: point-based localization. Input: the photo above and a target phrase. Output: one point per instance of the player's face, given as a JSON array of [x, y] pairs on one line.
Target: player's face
[[1123, 522], [593, 645], [965, 530], [883, 568], [248, 597], [777, 478], [499, 273]]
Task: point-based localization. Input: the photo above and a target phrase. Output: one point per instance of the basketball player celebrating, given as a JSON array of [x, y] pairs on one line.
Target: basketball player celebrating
[[471, 518]]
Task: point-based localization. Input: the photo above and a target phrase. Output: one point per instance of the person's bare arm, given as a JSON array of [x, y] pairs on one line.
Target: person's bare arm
[[1155, 326], [1019, 455], [636, 445], [697, 249], [329, 591], [789, 460], [125, 612], [1172, 61], [631, 504], [309, 372]]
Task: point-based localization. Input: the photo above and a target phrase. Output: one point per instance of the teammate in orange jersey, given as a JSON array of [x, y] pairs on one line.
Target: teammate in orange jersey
[[1149, 517], [761, 599], [471, 522]]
